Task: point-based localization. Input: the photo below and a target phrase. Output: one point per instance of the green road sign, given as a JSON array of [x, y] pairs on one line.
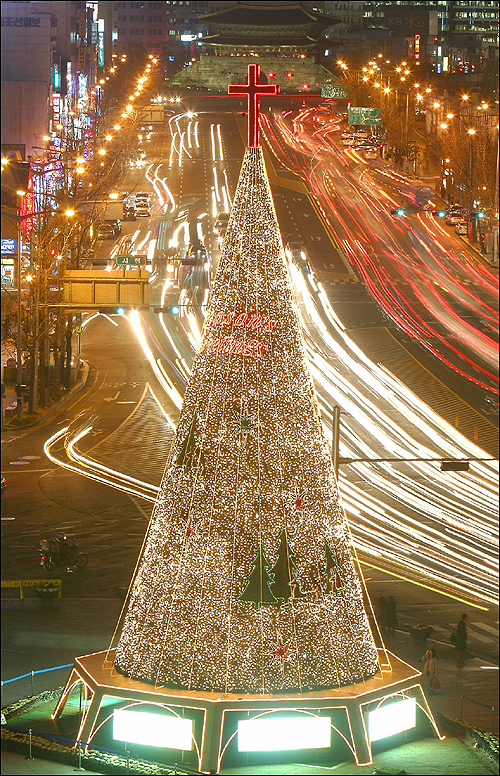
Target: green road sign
[[334, 91], [132, 261], [364, 116]]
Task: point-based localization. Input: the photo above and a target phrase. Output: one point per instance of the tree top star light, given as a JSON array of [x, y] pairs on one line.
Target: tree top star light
[[247, 581]]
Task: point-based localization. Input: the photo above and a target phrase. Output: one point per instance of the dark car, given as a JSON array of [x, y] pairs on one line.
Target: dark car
[[115, 224], [105, 231], [129, 212], [108, 229]]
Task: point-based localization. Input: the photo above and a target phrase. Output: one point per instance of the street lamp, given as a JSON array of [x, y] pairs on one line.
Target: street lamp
[[69, 213]]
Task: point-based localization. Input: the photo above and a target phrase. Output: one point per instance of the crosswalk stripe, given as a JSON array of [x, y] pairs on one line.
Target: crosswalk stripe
[[487, 628], [471, 634], [440, 629]]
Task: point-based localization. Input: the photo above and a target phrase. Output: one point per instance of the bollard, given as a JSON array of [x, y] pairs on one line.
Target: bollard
[[30, 756], [32, 679], [457, 419], [79, 760], [128, 762], [493, 720], [476, 433], [461, 708]]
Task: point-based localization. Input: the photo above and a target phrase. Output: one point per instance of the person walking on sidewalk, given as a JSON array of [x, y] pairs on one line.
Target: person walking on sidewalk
[[461, 640], [430, 669], [392, 616]]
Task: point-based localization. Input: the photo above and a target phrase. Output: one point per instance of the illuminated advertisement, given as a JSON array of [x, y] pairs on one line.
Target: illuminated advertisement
[[416, 47], [56, 108], [9, 247], [100, 42]]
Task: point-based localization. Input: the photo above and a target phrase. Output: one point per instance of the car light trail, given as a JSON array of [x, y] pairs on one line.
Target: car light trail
[[378, 257]]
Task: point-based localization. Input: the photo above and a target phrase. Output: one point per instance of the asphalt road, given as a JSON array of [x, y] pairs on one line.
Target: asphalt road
[[42, 498]]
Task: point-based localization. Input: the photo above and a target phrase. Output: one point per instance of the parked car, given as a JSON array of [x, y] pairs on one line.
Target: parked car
[[462, 227], [142, 210], [3, 484]]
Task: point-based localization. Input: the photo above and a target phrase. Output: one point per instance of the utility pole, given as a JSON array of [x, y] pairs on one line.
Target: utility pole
[[336, 439]]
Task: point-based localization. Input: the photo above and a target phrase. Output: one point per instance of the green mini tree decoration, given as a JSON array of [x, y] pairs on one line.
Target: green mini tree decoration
[[259, 582], [285, 572]]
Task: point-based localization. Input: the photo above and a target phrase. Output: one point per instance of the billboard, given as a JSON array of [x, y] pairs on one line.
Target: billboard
[[9, 246], [364, 116]]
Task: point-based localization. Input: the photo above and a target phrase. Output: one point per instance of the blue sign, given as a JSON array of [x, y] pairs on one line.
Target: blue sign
[[9, 247]]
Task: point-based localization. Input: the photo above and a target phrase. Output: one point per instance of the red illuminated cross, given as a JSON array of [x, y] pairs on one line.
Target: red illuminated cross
[[253, 89]]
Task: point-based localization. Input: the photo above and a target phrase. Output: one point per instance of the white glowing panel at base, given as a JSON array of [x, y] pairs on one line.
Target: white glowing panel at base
[[392, 718], [142, 727], [273, 734]]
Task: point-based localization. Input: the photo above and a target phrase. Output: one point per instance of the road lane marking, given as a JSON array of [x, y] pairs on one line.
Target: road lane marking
[[112, 398], [487, 628]]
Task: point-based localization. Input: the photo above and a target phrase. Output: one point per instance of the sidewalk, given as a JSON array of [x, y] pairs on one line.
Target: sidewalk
[[18, 765], [27, 421]]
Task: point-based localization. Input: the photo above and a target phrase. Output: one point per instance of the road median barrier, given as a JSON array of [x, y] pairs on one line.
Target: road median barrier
[[44, 588]]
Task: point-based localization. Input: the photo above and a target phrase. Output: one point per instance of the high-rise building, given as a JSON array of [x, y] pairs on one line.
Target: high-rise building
[[140, 24], [38, 63], [455, 18]]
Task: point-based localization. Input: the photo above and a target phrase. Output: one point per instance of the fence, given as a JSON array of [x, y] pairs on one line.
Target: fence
[[77, 755]]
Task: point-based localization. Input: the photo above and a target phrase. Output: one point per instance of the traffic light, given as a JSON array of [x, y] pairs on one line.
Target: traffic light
[[454, 466], [480, 214], [398, 211], [441, 213], [112, 310], [174, 310]]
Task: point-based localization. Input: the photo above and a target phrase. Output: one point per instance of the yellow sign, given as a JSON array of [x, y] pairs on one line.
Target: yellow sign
[[22, 583]]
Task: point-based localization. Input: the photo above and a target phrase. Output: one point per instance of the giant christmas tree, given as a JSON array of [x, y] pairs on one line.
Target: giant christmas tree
[[234, 590]]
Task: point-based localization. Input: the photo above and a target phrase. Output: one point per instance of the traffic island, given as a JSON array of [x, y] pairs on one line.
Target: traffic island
[[51, 742]]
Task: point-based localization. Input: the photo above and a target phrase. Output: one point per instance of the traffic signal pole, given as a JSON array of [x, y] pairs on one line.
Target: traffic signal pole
[[18, 337]]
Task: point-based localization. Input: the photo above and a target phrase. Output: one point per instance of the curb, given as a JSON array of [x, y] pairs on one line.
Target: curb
[[76, 389], [478, 253]]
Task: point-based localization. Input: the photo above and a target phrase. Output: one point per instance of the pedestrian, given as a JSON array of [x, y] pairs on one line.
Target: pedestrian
[[461, 640], [382, 613], [430, 669], [391, 616]]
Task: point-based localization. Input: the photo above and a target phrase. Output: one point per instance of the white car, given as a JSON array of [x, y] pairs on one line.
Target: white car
[[453, 217], [462, 228], [142, 211]]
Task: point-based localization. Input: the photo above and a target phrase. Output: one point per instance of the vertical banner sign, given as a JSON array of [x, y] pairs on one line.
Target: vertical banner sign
[[56, 108], [416, 47], [56, 71], [100, 42], [81, 58]]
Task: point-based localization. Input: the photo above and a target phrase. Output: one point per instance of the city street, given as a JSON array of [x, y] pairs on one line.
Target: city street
[[130, 406], [250, 388]]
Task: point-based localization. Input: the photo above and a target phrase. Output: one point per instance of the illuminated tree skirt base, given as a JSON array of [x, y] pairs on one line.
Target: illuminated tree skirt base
[[101, 680]]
